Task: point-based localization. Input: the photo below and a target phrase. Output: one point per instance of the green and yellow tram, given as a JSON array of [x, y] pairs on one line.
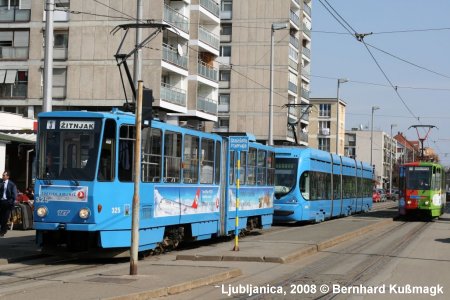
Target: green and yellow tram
[[422, 188]]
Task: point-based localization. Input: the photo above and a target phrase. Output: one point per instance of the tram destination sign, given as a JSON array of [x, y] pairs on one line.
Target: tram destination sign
[[239, 143]]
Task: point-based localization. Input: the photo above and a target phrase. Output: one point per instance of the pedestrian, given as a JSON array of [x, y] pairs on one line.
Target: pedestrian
[[8, 194]]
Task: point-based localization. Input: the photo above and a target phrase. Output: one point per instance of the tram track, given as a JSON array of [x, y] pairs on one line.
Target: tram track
[[362, 261]]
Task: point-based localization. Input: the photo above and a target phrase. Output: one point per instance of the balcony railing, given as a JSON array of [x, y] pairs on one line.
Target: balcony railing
[[176, 19], [292, 87], [208, 37], [306, 52], [211, 6], [12, 91], [14, 14], [294, 18], [294, 41], [207, 105], [303, 136], [307, 9], [60, 53], [173, 95], [13, 52], [305, 94], [171, 55], [207, 71], [304, 114], [306, 30]]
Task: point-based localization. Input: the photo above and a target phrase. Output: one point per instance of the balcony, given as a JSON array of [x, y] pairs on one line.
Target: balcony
[[176, 19], [208, 37], [208, 72], [306, 30], [171, 55], [306, 52], [294, 41], [307, 9], [173, 95], [13, 52], [303, 136], [304, 114], [305, 94], [210, 6], [292, 87], [207, 105], [14, 14], [294, 18]]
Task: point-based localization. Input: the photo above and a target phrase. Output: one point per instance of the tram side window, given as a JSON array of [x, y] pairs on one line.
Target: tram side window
[[262, 168], [337, 186], [231, 167], [242, 170], [190, 159], [207, 162], [251, 166], [172, 156], [106, 168], [320, 186], [218, 162], [151, 154], [126, 152], [271, 169], [304, 185]]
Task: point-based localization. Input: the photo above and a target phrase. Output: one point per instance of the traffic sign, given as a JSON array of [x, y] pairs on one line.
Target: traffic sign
[[239, 143]]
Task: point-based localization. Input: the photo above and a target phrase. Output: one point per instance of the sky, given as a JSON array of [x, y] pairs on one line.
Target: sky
[[410, 41]]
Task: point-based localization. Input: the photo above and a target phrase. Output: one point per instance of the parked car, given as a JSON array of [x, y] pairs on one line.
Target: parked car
[[375, 196], [395, 195], [382, 193]]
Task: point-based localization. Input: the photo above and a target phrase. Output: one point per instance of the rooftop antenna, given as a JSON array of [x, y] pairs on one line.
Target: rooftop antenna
[[121, 58], [422, 139]]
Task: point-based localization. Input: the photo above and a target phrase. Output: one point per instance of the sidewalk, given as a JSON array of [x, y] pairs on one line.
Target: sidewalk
[[184, 270]]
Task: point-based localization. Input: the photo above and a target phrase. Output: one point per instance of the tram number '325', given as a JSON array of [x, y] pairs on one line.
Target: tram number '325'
[[115, 210]]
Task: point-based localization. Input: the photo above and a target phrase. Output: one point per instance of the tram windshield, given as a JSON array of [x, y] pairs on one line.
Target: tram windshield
[[285, 175], [68, 148], [418, 178]]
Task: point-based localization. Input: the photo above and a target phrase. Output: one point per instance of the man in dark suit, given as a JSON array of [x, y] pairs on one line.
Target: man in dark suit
[[8, 194]]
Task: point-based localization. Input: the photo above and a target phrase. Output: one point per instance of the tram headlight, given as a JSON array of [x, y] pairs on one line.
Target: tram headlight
[[42, 211], [84, 213], [427, 202]]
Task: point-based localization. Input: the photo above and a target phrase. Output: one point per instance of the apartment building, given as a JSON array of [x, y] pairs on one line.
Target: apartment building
[[323, 118], [179, 64], [248, 29]]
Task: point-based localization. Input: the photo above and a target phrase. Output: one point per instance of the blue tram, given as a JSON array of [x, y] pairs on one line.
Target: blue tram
[[84, 186], [314, 185]]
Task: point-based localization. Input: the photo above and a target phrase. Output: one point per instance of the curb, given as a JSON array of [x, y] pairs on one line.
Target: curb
[[181, 287]]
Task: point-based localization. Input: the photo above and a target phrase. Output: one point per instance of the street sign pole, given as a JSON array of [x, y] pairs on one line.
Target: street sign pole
[[238, 144]]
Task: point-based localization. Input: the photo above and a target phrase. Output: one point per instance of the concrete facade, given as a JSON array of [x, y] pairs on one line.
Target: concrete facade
[[245, 61], [179, 64]]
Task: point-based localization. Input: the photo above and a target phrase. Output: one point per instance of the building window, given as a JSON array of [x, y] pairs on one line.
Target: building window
[[13, 84], [225, 29], [324, 127], [59, 82], [324, 144], [14, 44], [60, 44], [224, 99], [15, 10], [223, 123], [225, 51], [325, 110], [224, 75]]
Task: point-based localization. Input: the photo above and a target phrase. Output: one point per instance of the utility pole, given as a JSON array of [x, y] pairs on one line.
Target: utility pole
[[48, 56], [137, 178], [137, 70]]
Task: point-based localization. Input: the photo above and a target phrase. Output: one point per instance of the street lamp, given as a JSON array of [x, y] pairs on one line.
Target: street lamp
[[374, 108], [275, 26], [390, 177], [339, 81]]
